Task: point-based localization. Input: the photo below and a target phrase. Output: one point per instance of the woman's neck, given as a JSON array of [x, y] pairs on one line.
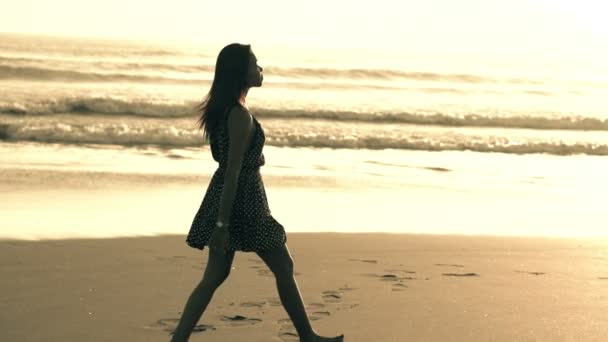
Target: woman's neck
[[243, 100]]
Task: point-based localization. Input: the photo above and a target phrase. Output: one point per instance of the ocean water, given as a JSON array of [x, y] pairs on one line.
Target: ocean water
[[410, 146]]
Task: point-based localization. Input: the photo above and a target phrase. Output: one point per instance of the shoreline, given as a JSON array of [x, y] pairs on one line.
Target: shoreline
[[336, 234], [54, 192], [56, 203]]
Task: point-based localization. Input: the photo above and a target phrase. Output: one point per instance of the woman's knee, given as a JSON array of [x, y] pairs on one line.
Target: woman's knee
[[218, 268], [215, 276], [223, 273], [223, 278], [279, 262], [287, 265]]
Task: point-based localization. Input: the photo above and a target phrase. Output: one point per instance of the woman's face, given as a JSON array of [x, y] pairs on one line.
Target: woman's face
[[254, 72]]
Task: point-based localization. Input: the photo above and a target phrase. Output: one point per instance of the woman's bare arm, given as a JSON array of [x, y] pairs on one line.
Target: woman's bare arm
[[240, 125]]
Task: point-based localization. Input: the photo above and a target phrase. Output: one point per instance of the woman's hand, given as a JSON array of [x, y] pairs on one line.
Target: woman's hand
[[219, 239]]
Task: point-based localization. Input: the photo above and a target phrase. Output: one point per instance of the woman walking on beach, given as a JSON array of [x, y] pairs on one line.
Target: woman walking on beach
[[234, 214]]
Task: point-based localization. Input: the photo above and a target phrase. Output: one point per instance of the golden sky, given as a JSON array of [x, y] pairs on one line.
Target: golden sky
[[574, 29]]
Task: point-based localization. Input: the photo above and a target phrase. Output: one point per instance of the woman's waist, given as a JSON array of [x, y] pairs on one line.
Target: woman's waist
[[244, 168]]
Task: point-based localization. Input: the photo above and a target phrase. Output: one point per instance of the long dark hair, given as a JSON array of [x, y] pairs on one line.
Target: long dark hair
[[229, 83]]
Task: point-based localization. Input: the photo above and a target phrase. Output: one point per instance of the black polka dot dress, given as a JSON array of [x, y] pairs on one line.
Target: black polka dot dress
[[252, 228]]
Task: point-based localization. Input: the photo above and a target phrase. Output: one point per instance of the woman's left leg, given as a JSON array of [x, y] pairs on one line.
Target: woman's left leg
[[216, 272]]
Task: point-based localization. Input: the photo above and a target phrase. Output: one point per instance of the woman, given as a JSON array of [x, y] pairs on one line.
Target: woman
[[234, 213]]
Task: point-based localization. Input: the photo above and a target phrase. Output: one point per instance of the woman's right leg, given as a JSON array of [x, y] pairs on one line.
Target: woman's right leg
[[217, 270], [279, 261]]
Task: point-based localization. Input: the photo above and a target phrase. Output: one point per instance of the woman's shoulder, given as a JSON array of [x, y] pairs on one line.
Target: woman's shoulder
[[240, 119], [239, 114]]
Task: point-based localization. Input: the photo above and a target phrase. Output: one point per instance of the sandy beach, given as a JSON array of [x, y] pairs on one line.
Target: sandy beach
[[371, 287]]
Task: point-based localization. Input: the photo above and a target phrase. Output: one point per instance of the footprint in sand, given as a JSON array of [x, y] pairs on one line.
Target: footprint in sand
[[451, 265], [394, 277], [317, 315], [315, 305], [253, 304], [399, 287], [169, 325], [287, 331], [289, 336], [398, 281], [265, 273], [238, 320], [274, 301], [398, 270], [461, 274], [258, 264], [333, 301], [388, 277], [345, 306], [535, 273], [331, 296], [436, 168], [255, 261], [284, 321], [369, 261], [602, 278]]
